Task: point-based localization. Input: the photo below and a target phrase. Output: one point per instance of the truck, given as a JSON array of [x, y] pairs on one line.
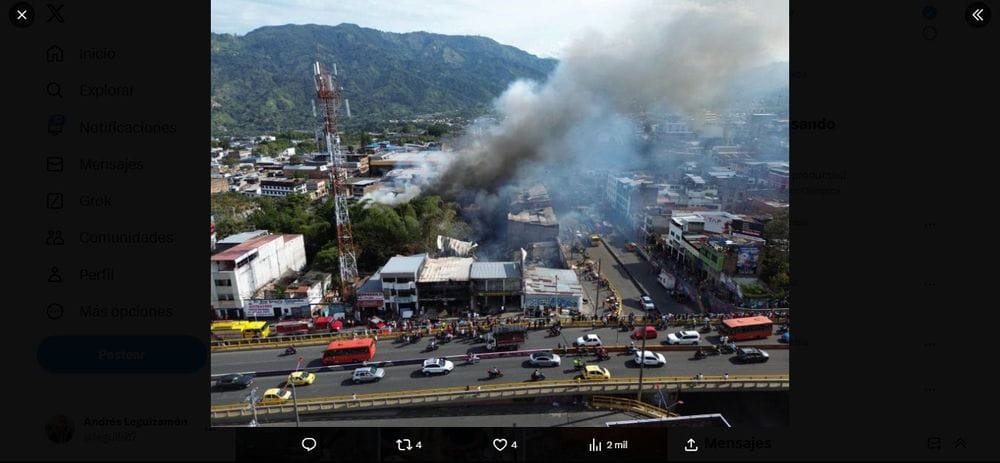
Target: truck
[[293, 327], [595, 240], [505, 337], [667, 281]]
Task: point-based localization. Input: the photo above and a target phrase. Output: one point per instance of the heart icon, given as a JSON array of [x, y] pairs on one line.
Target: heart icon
[[499, 444]]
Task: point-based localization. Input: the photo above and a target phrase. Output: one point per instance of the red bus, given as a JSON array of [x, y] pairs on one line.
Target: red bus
[[349, 351], [741, 329]]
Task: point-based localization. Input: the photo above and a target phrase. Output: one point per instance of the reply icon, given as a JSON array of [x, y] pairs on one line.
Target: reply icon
[[309, 443]]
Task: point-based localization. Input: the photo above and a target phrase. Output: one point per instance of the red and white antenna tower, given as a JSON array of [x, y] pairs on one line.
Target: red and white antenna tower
[[328, 94]]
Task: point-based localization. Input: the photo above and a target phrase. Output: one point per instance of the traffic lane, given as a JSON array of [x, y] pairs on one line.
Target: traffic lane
[[616, 275], [272, 359], [516, 370], [645, 275], [388, 350]]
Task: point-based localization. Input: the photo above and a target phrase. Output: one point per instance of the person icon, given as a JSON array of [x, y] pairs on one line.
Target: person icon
[[55, 277], [55, 238]]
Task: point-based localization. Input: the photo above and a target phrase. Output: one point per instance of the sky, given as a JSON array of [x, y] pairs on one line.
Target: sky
[[541, 27]]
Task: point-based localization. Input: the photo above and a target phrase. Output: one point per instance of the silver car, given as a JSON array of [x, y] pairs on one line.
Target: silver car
[[545, 359], [367, 375]]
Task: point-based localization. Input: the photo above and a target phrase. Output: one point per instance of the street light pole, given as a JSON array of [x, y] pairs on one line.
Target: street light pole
[[252, 398], [642, 362]]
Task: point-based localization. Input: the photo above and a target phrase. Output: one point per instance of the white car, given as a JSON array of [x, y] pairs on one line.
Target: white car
[[437, 366], [647, 303], [367, 375], [683, 337], [650, 358], [545, 359], [589, 340]]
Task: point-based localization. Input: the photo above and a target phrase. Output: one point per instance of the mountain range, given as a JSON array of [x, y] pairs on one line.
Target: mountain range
[[262, 81]]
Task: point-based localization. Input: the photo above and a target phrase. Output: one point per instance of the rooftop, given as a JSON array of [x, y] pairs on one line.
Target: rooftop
[[543, 280], [446, 269], [542, 216], [494, 270], [241, 237], [404, 265], [238, 251]]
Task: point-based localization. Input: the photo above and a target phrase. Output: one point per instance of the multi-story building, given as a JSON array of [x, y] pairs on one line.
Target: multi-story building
[[240, 271], [399, 284], [550, 287], [443, 284], [495, 285], [281, 187], [629, 196]]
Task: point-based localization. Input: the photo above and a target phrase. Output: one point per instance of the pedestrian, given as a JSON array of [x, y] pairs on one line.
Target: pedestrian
[[726, 377]]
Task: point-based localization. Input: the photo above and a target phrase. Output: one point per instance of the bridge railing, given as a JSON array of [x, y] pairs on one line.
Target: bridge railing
[[506, 390], [629, 405]]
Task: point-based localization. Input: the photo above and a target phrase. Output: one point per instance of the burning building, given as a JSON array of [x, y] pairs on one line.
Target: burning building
[[531, 219]]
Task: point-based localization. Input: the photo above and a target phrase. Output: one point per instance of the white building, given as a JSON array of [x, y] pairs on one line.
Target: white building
[[552, 287], [399, 283], [281, 187], [240, 271]]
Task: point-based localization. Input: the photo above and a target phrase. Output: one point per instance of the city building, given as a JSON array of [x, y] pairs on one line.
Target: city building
[[531, 218], [238, 272], [312, 286], [629, 196], [281, 187], [550, 287], [399, 284], [362, 186], [443, 284], [316, 189], [233, 240], [306, 170], [495, 286], [369, 295]]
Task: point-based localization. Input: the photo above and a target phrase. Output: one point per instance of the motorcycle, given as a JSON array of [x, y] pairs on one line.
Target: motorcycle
[[472, 360], [495, 373], [578, 364], [290, 351], [698, 355], [705, 329], [538, 377], [432, 346]]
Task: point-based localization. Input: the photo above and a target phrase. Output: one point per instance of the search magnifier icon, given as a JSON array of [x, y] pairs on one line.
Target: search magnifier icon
[[54, 89], [309, 443]]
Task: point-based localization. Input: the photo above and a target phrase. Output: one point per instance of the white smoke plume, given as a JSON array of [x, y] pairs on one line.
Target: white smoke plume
[[674, 56]]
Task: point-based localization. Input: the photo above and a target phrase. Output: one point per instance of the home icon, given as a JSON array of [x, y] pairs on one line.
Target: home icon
[[54, 54]]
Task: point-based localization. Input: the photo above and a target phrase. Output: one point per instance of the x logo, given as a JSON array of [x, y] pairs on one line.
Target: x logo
[[54, 12], [21, 14]]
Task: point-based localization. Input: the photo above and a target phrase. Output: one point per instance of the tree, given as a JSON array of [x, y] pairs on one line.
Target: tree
[[231, 160], [364, 138], [437, 130], [328, 260], [296, 159]]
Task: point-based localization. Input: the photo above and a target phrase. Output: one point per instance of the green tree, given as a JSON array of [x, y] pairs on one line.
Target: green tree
[[437, 130], [231, 160], [328, 260], [296, 159]]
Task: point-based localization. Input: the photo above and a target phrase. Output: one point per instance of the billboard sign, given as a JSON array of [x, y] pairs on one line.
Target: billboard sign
[[748, 228], [277, 307], [747, 258]]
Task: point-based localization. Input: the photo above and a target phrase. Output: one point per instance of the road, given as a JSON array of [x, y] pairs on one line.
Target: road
[[631, 293], [408, 377]]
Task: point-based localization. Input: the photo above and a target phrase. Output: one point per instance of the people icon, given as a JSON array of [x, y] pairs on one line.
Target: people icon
[[55, 238], [55, 277]]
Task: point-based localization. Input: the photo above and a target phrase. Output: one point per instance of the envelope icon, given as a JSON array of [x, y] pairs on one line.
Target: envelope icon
[[54, 164]]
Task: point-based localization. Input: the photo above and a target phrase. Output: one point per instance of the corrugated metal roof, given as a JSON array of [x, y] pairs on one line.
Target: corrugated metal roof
[[446, 269], [407, 265], [494, 270], [542, 280]]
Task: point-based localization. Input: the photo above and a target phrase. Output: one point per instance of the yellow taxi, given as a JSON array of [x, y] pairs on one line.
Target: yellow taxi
[[276, 396], [595, 372], [301, 378]]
